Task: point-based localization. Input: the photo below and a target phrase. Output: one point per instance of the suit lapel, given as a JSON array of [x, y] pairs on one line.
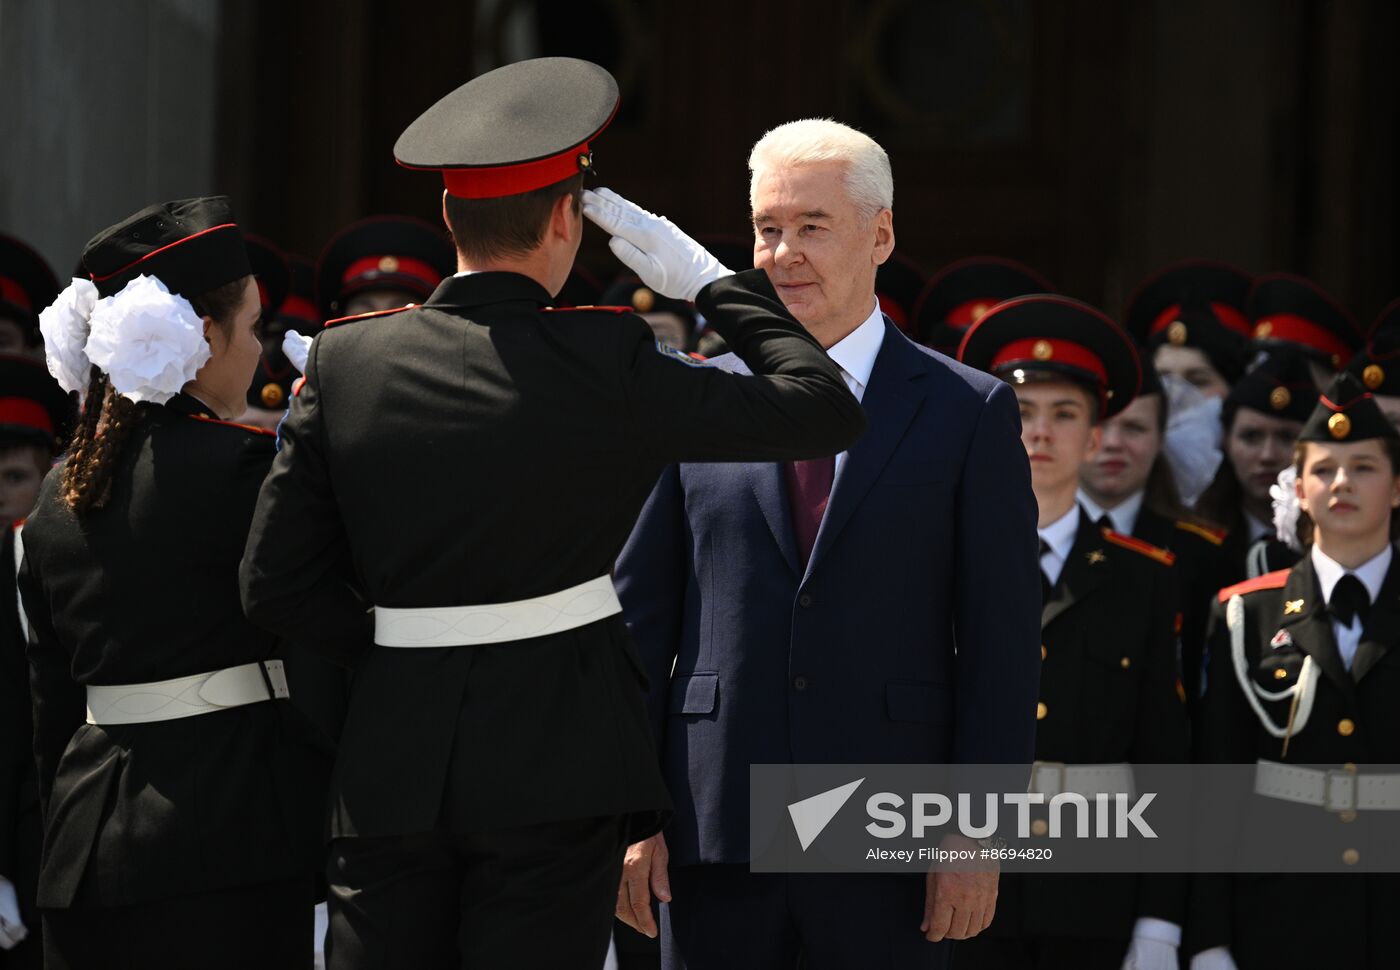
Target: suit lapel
[[891, 400], [766, 482], [1382, 626], [1305, 617], [1086, 569]]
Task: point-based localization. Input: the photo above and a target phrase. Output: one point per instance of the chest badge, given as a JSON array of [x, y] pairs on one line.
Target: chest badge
[[1095, 557], [1292, 606], [1281, 639]]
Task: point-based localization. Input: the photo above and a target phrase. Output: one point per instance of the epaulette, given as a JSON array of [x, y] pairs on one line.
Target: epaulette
[[1147, 549], [373, 313], [1273, 580], [234, 424], [1214, 536], [599, 309]]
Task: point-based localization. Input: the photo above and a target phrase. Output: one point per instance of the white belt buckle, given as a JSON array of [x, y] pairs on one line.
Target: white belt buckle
[[1339, 790], [1059, 769]]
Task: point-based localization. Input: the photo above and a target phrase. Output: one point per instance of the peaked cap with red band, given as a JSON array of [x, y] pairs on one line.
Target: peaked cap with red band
[[1280, 384], [270, 270], [898, 283], [299, 311], [33, 408], [383, 253], [1047, 337], [191, 245], [1377, 365], [1286, 309], [1195, 303], [960, 293], [27, 285], [518, 128], [1346, 412]]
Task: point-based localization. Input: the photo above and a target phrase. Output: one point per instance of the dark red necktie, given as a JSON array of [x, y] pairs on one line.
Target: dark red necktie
[[809, 487]]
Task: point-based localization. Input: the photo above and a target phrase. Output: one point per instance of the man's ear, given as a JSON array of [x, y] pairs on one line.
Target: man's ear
[[1095, 442], [884, 235], [565, 222], [444, 213]]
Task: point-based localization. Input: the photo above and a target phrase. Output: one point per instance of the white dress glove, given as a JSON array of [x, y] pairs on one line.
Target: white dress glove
[[1216, 958], [1153, 946], [12, 928], [297, 348], [666, 259]]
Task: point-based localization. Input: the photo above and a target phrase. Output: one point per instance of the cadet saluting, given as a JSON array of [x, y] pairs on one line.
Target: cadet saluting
[[180, 821], [483, 459]]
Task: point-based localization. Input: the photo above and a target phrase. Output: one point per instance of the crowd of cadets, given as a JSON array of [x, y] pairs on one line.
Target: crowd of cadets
[[1131, 573]]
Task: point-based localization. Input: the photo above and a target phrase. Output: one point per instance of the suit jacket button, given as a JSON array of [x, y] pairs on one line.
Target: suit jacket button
[[1346, 727], [799, 683], [804, 600]]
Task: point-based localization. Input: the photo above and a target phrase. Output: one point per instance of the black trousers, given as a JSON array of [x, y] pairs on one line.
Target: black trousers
[[1041, 953], [536, 896], [266, 925], [723, 917]]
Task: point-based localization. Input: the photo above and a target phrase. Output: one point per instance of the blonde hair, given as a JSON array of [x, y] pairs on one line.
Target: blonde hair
[[869, 181]]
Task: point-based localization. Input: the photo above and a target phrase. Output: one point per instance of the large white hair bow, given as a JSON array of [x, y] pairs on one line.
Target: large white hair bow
[[148, 340], [64, 326]]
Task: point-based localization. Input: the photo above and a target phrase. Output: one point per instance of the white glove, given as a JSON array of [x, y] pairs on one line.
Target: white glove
[[12, 928], [666, 259], [297, 348], [1153, 946], [1216, 958]]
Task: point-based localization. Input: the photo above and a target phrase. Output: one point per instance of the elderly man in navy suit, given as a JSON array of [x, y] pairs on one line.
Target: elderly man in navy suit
[[881, 606]]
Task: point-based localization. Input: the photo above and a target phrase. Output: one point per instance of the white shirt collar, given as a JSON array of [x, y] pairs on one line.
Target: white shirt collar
[[1060, 534], [1371, 572], [855, 353], [1123, 516], [1257, 530]]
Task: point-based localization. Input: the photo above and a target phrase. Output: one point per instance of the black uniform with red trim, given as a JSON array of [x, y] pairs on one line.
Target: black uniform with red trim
[[168, 829], [1279, 688], [1109, 682]]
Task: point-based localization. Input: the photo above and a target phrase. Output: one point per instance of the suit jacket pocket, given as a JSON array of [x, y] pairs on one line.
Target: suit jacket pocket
[[919, 701], [693, 693]]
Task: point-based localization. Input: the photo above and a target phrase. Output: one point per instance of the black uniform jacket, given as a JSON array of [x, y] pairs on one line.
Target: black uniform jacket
[[481, 449], [146, 589], [20, 832], [1343, 920], [1108, 686], [1201, 571]]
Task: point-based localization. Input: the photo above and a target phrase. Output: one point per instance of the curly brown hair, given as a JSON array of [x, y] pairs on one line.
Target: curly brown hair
[[108, 417]]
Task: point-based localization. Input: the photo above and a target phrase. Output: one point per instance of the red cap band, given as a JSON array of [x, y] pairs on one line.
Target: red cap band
[[966, 314], [1041, 351], [12, 292], [415, 269], [1285, 326], [1229, 317], [296, 305], [25, 413], [494, 182], [894, 311]]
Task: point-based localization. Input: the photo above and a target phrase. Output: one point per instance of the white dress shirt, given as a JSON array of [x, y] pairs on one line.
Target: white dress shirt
[[1059, 536], [1329, 573], [855, 354], [1258, 530], [1123, 515]]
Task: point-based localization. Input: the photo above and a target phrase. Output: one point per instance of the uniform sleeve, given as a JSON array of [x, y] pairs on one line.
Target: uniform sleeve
[[795, 406], [292, 576], [59, 702], [651, 580], [997, 612], [1161, 733]]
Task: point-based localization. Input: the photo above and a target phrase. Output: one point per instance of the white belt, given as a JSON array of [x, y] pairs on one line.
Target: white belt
[[166, 700], [1335, 790], [465, 626], [1051, 778]]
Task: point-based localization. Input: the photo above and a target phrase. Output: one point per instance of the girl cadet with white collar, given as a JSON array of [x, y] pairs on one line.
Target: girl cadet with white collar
[[1303, 682], [182, 810]]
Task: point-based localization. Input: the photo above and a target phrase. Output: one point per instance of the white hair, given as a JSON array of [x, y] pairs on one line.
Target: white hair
[[869, 181]]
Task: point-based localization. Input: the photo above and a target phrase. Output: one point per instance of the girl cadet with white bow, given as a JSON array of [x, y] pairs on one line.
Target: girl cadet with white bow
[[182, 793], [1304, 683]]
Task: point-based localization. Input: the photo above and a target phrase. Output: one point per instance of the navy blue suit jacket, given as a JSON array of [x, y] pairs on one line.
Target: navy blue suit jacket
[[912, 636]]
